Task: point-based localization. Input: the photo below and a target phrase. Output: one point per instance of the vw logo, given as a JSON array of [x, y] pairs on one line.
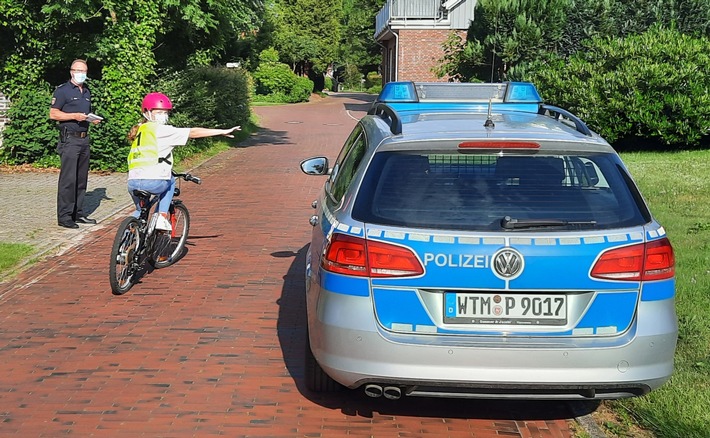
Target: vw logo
[[508, 264]]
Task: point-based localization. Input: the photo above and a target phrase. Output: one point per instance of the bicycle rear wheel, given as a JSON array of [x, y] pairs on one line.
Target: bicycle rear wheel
[[123, 265], [168, 248]]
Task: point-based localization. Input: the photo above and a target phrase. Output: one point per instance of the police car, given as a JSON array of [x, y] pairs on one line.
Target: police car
[[472, 241]]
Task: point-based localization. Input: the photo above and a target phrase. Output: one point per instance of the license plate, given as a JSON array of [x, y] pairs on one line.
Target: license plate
[[494, 308]]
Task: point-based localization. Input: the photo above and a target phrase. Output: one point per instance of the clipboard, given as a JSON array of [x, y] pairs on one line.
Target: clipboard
[[91, 117]]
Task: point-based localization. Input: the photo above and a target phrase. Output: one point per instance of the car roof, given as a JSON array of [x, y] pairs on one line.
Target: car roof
[[412, 112]]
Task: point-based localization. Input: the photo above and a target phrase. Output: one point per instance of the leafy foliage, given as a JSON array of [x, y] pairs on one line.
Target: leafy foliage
[[357, 45], [123, 43], [606, 60], [275, 82], [352, 78], [461, 60], [210, 97], [506, 33], [307, 33], [646, 86], [373, 79], [198, 33], [29, 135]]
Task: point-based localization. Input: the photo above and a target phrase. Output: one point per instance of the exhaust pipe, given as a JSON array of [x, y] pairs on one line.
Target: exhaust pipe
[[373, 391], [392, 392]]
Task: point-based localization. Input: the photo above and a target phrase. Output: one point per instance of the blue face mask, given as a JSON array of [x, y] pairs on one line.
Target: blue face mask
[[79, 78]]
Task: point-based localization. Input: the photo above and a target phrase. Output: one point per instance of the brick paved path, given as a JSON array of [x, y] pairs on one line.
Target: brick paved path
[[214, 344]]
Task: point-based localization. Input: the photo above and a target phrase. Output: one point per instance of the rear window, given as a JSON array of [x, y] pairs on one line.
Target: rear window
[[492, 192]]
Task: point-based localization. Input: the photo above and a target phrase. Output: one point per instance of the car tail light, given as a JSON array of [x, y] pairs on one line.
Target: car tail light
[[357, 256], [643, 262], [499, 145]]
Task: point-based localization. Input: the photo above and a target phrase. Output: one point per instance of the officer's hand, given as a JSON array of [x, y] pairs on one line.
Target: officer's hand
[[80, 116], [96, 122], [230, 130]]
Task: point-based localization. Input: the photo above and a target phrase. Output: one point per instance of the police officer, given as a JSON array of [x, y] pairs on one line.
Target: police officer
[[71, 103]]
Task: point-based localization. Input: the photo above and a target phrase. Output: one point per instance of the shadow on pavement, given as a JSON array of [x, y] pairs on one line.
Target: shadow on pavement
[[292, 326], [265, 136], [363, 97], [93, 198], [358, 107]]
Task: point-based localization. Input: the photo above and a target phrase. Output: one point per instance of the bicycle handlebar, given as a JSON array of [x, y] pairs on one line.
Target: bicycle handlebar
[[187, 177]]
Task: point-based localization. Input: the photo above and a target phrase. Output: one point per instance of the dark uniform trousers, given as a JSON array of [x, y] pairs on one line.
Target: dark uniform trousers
[[73, 177]]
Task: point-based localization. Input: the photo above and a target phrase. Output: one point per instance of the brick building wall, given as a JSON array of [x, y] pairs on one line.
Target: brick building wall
[[420, 51]]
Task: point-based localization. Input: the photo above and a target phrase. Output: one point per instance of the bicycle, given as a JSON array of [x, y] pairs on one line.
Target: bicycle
[[137, 241]]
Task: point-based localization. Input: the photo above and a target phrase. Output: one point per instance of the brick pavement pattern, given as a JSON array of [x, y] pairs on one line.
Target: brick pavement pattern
[[212, 345]]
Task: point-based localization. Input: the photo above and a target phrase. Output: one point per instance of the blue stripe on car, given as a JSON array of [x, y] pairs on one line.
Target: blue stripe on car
[[345, 284], [658, 290]]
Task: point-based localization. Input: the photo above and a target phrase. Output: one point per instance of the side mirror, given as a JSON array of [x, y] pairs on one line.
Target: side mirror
[[315, 166]]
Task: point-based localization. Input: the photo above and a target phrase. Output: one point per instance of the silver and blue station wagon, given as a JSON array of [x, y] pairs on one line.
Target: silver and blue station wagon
[[472, 241]]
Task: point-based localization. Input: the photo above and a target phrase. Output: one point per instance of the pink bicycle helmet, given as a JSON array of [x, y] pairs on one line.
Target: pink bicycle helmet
[[153, 101]]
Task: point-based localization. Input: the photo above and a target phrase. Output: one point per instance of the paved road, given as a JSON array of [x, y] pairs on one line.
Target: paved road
[[214, 344]]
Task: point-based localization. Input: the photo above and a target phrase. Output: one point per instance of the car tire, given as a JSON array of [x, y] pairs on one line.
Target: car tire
[[316, 379]]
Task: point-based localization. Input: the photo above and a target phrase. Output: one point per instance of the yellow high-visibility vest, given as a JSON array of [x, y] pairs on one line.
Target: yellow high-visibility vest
[[144, 149]]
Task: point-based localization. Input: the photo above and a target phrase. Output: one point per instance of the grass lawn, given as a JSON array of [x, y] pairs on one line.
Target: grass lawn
[[11, 254], [677, 188]]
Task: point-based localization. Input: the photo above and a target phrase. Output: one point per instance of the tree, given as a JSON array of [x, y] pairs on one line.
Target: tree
[[307, 33], [506, 33], [358, 45], [195, 33]]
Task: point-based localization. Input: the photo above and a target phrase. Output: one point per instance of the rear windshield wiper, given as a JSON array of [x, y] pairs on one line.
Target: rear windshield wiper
[[515, 224]]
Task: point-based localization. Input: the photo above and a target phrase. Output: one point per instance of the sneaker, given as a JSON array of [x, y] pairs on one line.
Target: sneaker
[[163, 224]]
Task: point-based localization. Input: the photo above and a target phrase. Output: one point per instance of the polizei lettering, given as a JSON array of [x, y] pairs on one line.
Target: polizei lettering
[[475, 261]]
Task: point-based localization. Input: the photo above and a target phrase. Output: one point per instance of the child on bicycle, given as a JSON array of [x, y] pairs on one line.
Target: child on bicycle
[[150, 160]]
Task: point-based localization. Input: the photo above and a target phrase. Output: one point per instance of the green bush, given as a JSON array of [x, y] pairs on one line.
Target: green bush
[[301, 90], [328, 84], [373, 79], [652, 86], [375, 89], [275, 82], [211, 97], [203, 96], [108, 139], [29, 135], [274, 78]]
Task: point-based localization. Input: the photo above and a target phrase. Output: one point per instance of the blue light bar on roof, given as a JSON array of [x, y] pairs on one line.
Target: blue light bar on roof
[[522, 92], [398, 92], [447, 92]]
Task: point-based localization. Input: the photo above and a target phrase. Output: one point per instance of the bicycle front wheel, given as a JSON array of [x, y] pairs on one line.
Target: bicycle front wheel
[[170, 247], [123, 264]]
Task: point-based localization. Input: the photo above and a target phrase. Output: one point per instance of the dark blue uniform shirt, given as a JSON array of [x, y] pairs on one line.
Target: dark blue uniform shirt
[[72, 99]]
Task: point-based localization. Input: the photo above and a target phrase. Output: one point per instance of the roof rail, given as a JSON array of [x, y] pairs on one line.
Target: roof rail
[[395, 122], [556, 112]]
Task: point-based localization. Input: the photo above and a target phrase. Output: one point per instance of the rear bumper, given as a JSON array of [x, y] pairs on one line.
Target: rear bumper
[[351, 347]]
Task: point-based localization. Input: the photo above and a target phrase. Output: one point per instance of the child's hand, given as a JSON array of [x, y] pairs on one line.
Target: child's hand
[[229, 131]]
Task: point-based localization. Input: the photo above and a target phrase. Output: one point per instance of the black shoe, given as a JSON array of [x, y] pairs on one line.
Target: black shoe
[[85, 220], [68, 224]]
